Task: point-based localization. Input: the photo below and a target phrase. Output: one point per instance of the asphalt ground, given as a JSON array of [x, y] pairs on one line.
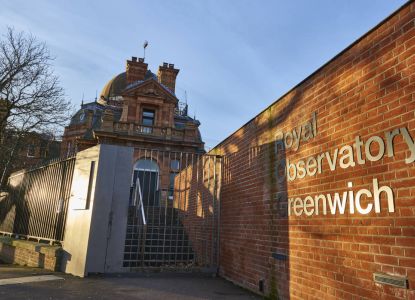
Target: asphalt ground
[[148, 286]]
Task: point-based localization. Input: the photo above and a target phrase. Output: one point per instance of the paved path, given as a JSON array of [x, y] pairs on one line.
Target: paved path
[[138, 286]]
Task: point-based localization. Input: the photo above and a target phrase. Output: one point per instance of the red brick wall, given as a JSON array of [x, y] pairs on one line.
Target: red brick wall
[[365, 91]]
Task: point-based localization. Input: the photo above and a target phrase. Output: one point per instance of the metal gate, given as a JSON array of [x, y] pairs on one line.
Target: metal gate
[[36, 202], [174, 211]]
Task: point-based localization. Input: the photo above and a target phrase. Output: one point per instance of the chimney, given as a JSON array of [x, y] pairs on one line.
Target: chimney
[[167, 76], [136, 70]]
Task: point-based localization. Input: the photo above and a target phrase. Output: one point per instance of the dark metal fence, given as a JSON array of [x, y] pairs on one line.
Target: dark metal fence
[[36, 202], [174, 213]]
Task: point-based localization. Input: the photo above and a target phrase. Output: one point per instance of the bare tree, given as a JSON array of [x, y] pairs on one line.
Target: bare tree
[[30, 95]]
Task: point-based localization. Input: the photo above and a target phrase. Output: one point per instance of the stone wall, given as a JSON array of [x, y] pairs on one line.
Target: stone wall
[[31, 254]]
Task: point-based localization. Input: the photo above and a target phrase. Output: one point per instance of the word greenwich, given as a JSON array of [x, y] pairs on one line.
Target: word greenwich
[[347, 156]]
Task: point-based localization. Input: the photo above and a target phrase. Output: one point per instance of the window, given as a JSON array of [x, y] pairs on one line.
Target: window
[[148, 121], [148, 117], [175, 165], [31, 150], [146, 172], [148, 165]]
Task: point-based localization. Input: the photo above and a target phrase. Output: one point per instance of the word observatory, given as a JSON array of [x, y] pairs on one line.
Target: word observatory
[[347, 156]]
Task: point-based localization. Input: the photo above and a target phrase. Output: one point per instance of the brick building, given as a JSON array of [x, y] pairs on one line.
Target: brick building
[[36, 148], [140, 109], [136, 108], [33, 148]]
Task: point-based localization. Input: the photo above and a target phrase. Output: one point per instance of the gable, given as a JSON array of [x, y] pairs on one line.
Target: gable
[[150, 88]]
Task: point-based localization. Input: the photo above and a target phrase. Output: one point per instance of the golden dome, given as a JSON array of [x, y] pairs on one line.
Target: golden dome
[[115, 86]]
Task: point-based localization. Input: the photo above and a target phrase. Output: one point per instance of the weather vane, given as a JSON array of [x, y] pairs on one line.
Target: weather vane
[[145, 46]]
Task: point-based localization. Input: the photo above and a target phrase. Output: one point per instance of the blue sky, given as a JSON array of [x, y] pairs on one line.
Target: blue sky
[[235, 57]]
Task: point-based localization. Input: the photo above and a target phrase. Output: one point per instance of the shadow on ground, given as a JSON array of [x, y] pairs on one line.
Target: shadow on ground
[[169, 286]]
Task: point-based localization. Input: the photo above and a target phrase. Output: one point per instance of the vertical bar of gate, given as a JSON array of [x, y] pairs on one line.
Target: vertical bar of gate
[[57, 169], [61, 208], [169, 224], [170, 228], [185, 206], [158, 196], [59, 166], [147, 210], [45, 203], [30, 207], [40, 209], [189, 226], [37, 202], [207, 221], [166, 163], [199, 158], [176, 213], [54, 202], [142, 243], [40, 177], [68, 194], [64, 208], [160, 158], [218, 191], [61, 201], [157, 207], [150, 184], [20, 216], [150, 228], [27, 206], [136, 232], [61, 196], [213, 212], [24, 218]]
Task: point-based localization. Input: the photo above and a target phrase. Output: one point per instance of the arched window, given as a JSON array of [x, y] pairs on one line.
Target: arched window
[[146, 165], [147, 172]]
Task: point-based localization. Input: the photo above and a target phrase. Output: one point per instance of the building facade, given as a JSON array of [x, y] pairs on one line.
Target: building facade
[[139, 109], [136, 108]]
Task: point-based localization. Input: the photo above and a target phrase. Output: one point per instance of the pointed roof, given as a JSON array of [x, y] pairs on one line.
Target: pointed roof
[[141, 84]]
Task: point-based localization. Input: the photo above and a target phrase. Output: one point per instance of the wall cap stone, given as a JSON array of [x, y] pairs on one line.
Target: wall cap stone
[[49, 250]]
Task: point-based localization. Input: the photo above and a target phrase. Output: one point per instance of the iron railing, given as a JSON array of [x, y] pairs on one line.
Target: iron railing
[[36, 202]]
